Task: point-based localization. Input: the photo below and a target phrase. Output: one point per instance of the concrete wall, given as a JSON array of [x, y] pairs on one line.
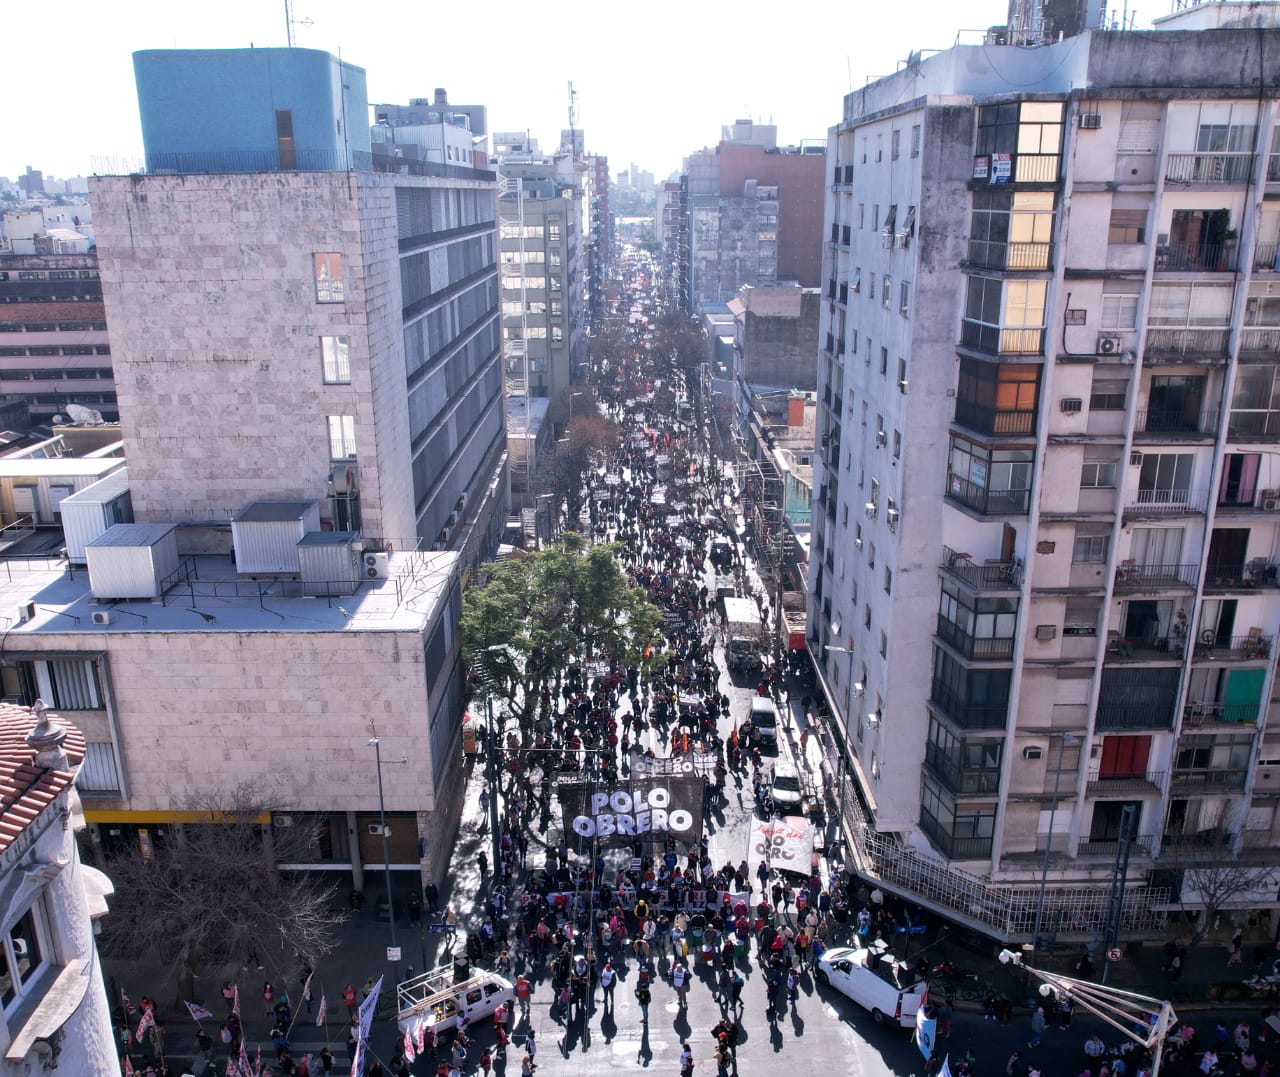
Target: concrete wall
[[780, 339]]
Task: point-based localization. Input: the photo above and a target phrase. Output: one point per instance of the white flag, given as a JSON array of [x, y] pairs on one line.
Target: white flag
[[323, 1012], [367, 1008], [945, 1071], [925, 1027], [409, 1053]]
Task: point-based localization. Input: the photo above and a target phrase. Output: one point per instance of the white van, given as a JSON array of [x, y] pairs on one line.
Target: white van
[[434, 1000], [877, 982], [787, 794], [764, 717]]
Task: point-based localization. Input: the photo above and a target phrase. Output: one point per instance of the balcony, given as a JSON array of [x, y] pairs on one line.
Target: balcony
[[1143, 844], [1131, 577], [992, 421], [1260, 342], [1198, 714], [1157, 504], [988, 502], [1136, 698], [958, 779], [997, 341], [1118, 718], [1125, 785], [978, 648], [1241, 576], [1206, 779], [1253, 425], [1009, 255], [1196, 258], [1121, 648], [1210, 343], [1208, 168], [1266, 258], [949, 845], [1211, 647], [1176, 424], [1197, 841], [988, 576], [965, 714]]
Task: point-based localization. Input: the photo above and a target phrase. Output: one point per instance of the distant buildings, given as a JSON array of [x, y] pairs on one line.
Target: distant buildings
[[753, 216]]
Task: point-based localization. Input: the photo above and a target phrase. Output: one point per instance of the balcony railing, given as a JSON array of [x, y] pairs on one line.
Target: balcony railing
[[1009, 255], [988, 502], [988, 420], [1200, 713], [1196, 257], [988, 576], [1118, 717], [1266, 257], [1247, 425], [1142, 844], [980, 648], [1156, 503], [1120, 785], [1232, 648], [1239, 576], [1186, 780], [998, 341], [1035, 168], [1170, 422], [952, 847], [1208, 167], [1133, 577], [1197, 841], [1260, 340], [1151, 649], [968, 715], [957, 778], [1186, 341]]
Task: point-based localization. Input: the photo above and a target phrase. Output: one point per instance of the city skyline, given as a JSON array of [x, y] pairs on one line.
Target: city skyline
[[792, 72]]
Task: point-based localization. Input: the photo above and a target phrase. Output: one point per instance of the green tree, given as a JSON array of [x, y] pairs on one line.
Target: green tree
[[534, 616]]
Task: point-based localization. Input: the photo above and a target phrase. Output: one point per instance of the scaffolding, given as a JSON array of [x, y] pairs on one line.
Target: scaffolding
[[1006, 911]]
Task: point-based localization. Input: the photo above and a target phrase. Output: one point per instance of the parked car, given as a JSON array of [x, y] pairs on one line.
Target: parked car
[[889, 989]]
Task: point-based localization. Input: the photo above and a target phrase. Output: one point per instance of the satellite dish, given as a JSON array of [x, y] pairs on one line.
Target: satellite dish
[[80, 414]]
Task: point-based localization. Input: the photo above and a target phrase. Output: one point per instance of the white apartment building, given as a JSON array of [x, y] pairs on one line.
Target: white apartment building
[[1043, 590]]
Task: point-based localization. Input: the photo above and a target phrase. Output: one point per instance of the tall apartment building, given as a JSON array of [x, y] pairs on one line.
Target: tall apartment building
[[754, 216], [597, 232], [309, 352], [1048, 463]]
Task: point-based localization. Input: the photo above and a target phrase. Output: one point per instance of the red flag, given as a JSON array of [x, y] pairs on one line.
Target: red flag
[[198, 1012], [232, 1069], [145, 1023], [127, 1068], [409, 1053], [235, 999], [323, 1011]]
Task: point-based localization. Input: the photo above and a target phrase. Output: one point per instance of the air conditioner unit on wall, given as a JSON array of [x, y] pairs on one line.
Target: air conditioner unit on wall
[[1109, 343], [25, 612], [1090, 121], [101, 617], [377, 566], [376, 830]]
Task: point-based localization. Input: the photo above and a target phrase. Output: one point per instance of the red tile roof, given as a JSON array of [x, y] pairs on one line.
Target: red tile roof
[[26, 789]]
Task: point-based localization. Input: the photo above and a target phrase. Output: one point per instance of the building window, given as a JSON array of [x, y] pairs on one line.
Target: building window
[[342, 437], [328, 273], [997, 398], [1098, 473], [23, 957], [284, 139], [1090, 549], [336, 360], [1005, 316], [879, 147], [904, 299], [897, 445], [895, 144], [884, 362], [1127, 226], [884, 645], [1119, 311], [886, 291], [1029, 132], [1011, 229], [990, 480], [915, 140], [1255, 404], [553, 233], [888, 580], [1108, 396], [862, 214], [557, 335]]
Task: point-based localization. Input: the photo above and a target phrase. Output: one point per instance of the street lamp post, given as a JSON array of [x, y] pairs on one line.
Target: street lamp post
[[1067, 739], [382, 820]]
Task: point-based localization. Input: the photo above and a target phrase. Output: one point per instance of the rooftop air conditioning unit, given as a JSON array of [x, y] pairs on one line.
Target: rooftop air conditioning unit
[[377, 566], [101, 617], [1090, 121], [25, 612], [1109, 343]]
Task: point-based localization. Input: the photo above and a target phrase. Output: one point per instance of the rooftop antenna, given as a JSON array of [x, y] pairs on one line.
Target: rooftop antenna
[[290, 23], [573, 121]]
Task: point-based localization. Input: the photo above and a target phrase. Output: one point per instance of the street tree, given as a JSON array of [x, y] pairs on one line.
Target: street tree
[[1211, 884], [210, 892], [570, 602], [588, 437]]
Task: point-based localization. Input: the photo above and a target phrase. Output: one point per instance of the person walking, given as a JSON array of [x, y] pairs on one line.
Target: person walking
[[643, 996], [686, 1060], [608, 981], [1038, 1024]]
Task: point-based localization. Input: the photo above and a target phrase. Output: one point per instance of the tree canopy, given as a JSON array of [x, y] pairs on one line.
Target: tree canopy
[[568, 602]]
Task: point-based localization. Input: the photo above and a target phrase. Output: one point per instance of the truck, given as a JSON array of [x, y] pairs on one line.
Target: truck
[[742, 620], [435, 999], [876, 981]]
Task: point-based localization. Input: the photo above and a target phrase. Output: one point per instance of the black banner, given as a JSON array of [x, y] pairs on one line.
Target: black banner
[[618, 813]]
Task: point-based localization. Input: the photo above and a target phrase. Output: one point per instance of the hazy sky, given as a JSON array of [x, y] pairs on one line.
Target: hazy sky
[[655, 80]]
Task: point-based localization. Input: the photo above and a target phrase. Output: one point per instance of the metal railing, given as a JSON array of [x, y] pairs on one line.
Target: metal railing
[[1196, 257], [988, 420], [1177, 502], [965, 714], [1187, 341], [980, 648], [1120, 784], [1208, 778], [1176, 422], [220, 161], [988, 576], [1108, 847], [986, 501], [1260, 340], [1232, 648], [1134, 577], [999, 341], [992, 255], [1035, 168], [1202, 713], [1118, 717], [960, 779], [1195, 842], [1251, 574], [1208, 167], [1144, 650], [951, 846], [1266, 257], [1253, 424]]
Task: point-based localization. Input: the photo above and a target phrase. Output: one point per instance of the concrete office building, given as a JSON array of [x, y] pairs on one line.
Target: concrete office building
[[1048, 463], [312, 359]]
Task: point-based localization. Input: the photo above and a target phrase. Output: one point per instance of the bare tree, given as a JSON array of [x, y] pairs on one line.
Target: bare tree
[[1210, 888], [211, 893]]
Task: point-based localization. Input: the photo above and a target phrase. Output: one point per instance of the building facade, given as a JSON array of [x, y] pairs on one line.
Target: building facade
[[1046, 461], [54, 1013]]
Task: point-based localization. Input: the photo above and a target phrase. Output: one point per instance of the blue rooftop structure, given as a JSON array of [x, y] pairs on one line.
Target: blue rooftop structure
[[251, 110]]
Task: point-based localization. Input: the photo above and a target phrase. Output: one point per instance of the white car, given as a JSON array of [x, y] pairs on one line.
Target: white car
[[877, 982]]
